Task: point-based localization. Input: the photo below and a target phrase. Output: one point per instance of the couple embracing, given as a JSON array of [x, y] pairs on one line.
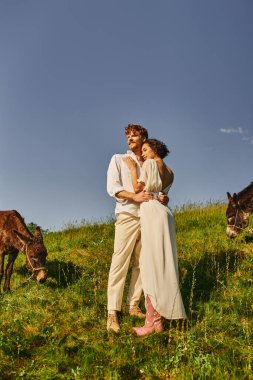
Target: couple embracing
[[139, 181]]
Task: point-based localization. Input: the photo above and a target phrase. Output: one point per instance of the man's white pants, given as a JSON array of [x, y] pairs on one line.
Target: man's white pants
[[127, 241]]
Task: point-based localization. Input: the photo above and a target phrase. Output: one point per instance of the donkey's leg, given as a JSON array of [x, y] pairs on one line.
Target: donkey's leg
[[9, 269], [1, 268]]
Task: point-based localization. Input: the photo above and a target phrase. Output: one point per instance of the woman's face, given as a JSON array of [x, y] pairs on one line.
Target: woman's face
[[147, 152]]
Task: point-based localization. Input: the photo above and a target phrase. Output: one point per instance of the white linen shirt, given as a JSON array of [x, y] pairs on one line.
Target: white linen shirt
[[119, 179]]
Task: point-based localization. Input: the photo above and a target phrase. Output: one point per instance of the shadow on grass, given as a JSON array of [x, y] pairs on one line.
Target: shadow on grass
[[60, 274], [63, 273], [200, 279], [249, 239]]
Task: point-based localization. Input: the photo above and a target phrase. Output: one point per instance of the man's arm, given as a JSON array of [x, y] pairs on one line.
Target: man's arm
[[138, 198], [115, 188]]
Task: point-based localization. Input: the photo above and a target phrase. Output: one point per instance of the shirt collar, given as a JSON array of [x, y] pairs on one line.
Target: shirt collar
[[133, 156], [131, 153]]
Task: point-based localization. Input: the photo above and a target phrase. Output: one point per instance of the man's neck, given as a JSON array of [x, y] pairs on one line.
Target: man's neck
[[138, 155]]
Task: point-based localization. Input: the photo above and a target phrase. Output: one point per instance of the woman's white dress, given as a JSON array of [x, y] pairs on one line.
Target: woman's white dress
[[158, 259]]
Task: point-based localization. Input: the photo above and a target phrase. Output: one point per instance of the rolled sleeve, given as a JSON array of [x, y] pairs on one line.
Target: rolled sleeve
[[114, 181]]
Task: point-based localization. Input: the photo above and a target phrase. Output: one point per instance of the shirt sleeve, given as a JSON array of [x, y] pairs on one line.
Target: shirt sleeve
[[114, 182]]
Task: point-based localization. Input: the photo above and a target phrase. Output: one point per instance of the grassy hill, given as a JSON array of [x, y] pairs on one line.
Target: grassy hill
[[58, 330]]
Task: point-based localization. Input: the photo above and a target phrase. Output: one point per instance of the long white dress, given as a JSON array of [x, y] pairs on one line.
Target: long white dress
[[158, 259]]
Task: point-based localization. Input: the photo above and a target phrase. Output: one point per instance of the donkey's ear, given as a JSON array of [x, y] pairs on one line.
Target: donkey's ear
[[38, 234], [229, 196], [24, 239], [235, 197]]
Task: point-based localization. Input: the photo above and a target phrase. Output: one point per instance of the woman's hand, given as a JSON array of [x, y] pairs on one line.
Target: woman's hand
[[130, 163], [163, 198]]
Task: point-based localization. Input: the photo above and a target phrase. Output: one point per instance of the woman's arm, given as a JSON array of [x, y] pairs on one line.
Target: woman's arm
[[132, 165]]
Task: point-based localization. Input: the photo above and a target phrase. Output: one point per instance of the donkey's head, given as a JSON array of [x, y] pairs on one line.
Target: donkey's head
[[237, 218], [35, 253]]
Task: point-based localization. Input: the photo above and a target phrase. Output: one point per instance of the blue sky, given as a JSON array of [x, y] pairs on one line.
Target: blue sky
[[74, 73]]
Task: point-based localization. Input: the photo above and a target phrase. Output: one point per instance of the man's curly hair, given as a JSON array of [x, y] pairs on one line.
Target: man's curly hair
[[137, 128], [158, 147]]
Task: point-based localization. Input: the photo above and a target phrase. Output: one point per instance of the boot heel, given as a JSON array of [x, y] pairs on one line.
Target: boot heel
[[158, 328]]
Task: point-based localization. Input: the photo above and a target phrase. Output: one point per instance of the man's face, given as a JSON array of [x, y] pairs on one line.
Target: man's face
[[134, 140]]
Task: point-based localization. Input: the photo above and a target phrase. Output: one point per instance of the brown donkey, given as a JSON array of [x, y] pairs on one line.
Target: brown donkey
[[15, 237], [239, 208]]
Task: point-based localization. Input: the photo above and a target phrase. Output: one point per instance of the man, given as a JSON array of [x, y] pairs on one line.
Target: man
[[127, 228]]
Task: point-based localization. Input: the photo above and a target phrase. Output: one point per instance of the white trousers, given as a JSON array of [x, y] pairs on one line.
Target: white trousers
[[127, 241]]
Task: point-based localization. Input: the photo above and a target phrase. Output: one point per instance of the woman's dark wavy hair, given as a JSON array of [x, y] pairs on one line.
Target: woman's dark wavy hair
[[158, 147]]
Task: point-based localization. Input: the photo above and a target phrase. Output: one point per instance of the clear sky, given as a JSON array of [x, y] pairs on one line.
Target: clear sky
[[74, 73]]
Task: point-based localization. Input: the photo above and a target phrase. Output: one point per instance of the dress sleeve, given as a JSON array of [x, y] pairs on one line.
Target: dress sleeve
[[144, 173], [150, 176]]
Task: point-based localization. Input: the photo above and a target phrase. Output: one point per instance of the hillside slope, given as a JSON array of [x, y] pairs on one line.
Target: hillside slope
[[58, 330]]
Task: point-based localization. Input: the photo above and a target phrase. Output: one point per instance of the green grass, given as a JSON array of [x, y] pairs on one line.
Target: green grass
[[58, 330]]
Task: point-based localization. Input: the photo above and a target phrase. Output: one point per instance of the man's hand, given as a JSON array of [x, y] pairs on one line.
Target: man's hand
[[143, 196], [163, 198]]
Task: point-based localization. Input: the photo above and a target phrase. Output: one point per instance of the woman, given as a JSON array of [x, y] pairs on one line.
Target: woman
[[158, 259]]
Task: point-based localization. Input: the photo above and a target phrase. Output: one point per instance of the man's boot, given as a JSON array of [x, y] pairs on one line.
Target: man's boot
[[113, 323], [135, 311]]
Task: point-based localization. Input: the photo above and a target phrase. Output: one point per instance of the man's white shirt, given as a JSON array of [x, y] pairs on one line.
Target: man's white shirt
[[119, 179]]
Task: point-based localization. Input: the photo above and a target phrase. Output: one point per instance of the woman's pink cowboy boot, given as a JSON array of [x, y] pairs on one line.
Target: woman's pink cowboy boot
[[153, 322]]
